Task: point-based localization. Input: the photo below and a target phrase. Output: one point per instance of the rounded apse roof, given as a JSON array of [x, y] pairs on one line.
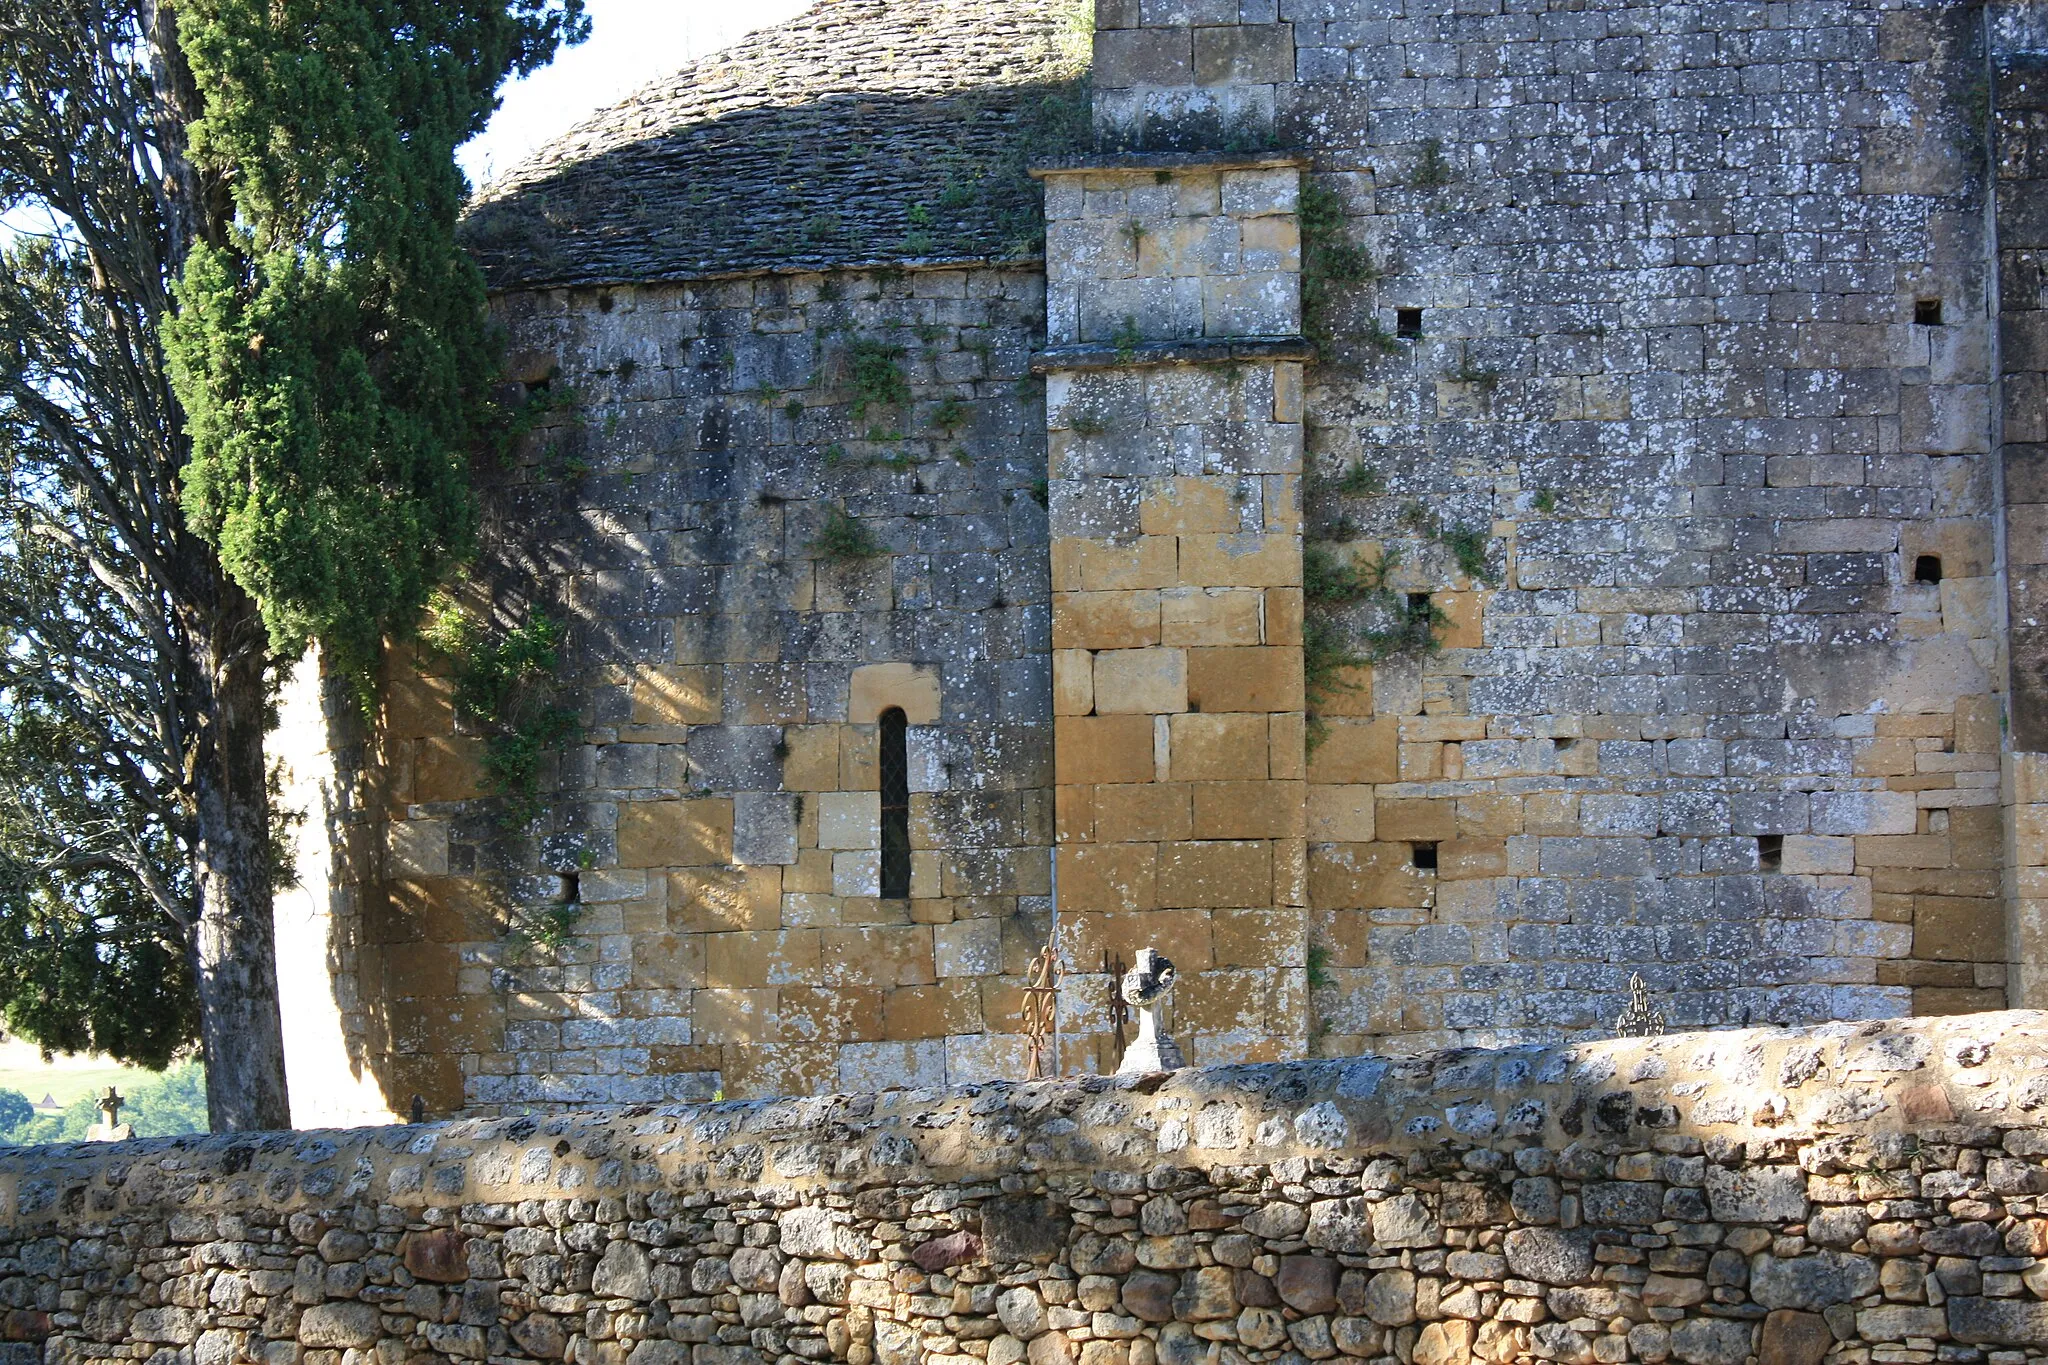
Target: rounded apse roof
[[862, 132]]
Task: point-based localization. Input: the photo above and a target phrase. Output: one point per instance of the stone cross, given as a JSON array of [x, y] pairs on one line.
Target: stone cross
[[1147, 986], [110, 1128]]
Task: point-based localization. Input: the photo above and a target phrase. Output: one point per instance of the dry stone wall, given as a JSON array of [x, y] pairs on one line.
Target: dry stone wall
[[1851, 1194]]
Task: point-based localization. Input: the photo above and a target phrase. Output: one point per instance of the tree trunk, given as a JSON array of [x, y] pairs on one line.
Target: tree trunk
[[235, 938]]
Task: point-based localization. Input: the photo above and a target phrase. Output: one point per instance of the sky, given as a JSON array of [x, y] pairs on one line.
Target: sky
[[631, 43]]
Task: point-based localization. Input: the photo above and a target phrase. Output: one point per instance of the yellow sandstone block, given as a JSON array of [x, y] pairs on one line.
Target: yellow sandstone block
[[877, 687], [1143, 812], [1109, 877], [768, 958], [668, 961], [1357, 750], [1247, 560], [1073, 682], [1283, 616], [1080, 565], [676, 694], [448, 768], [1340, 813], [881, 955], [1189, 506], [1091, 749], [1249, 810], [1106, 620], [1287, 751], [1419, 820], [1210, 616], [1237, 873], [1267, 678], [812, 764], [1259, 938], [1146, 681], [686, 833], [714, 899], [1217, 747]]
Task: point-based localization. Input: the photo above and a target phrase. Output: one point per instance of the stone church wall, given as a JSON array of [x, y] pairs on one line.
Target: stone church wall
[[1859, 1193], [714, 823], [1694, 385], [1701, 342]]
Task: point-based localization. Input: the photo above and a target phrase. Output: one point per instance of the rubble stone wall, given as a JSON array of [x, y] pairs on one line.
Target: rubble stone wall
[[1849, 1193]]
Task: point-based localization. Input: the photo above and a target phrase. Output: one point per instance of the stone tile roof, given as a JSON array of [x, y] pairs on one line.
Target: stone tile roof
[[860, 132]]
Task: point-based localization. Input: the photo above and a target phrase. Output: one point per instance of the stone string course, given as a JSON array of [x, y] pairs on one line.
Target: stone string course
[[1848, 1193]]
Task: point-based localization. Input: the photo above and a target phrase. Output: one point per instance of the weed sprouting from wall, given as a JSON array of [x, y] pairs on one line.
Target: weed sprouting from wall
[[504, 686], [875, 370], [1431, 171], [1331, 262], [842, 538]]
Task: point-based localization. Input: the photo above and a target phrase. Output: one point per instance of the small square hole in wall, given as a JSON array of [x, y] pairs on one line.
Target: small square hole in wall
[[1770, 852], [1423, 856], [1927, 569], [1927, 312], [1408, 322], [569, 888], [1418, 604]]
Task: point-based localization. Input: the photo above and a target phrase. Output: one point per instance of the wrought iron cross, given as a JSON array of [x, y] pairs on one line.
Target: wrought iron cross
[[1639, 1020]]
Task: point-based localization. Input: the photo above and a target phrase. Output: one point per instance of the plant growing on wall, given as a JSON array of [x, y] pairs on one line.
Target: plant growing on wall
[[1330, 261], [875, 372], [504, 685], [842, 538]]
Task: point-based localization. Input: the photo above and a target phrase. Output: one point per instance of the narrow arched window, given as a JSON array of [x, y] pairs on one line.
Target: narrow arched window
[[895, 804]]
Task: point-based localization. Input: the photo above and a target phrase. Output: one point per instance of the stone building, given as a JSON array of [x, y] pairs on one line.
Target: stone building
[[1417, 510]]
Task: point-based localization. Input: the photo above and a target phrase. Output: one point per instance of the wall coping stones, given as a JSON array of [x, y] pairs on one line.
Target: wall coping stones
[[1848, 1088], [1200, 351], [1168, 161]]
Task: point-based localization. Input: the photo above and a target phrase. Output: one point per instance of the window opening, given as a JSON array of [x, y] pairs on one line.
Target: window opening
[[1424, 856], [1418, 604], [895, 804], [1927, 569], [1770, 852], [1927, 312], [1408, 322]]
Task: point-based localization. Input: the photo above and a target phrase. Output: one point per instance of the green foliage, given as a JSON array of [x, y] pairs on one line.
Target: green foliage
[[951, 415], [1359, 480], [794, 409], [1127, 338], [1431, 172], [1330, 261], [548, 929], [1319, 967], [842, 538], [875, 370], [1545, 501], [15, 1110], [1469, 546], [504, 685], [331, 348]]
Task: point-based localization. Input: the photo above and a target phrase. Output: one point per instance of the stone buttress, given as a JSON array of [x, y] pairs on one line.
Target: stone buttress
[[1174, 445]]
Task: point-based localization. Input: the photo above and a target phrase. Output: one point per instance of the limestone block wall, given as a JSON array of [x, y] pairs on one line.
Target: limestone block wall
[[2019, 130], [1850, 1194], [713, 826], [1173, 412], [1686, 315]]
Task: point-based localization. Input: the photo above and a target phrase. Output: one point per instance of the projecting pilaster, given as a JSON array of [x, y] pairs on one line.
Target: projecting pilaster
[[1174, 440]]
